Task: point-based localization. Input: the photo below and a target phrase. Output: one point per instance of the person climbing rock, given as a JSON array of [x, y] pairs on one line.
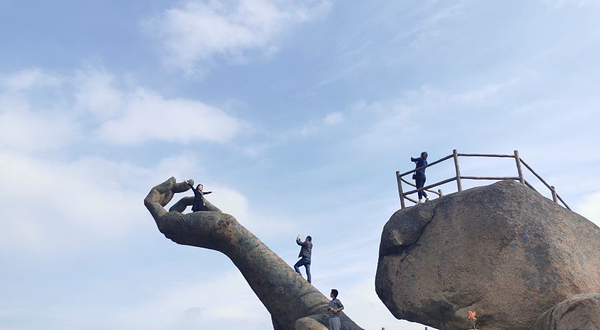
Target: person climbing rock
[[305, 254], [198, 197], [419, 176], [334, 309]]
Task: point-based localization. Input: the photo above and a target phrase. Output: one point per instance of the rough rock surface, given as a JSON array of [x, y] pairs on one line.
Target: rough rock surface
[[579, 312], [287, 296], [311, 323], [501, 250]]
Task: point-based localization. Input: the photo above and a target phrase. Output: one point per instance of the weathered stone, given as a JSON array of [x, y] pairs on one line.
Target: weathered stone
[[311, 323], [502, 250], [579, 312], [285, 294]]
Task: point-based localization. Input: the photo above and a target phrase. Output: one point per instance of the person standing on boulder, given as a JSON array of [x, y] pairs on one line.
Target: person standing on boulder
[[419, 176], [305, 253], [334, 309], [198, 197]]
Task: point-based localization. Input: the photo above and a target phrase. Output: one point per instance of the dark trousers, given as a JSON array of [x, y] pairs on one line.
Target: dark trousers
[[420, 182], [306, 263]]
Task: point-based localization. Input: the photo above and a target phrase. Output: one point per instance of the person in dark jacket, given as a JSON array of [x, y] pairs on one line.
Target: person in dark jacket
[[305, 253], [198, 197], [419, 175]]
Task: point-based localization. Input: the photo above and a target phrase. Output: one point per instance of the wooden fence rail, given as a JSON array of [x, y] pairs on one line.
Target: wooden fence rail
[[459, 177]]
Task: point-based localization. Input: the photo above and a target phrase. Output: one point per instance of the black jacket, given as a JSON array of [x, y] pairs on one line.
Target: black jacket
[[305, 250], [420, 162], [198, 199]]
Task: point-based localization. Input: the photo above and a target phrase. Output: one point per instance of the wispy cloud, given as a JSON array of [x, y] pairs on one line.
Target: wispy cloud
[[48, 203], [563, 3], [27, 79], [61, 203], [192, 303], [333, 118], [147, 116], [428, 27], [60, 197], [44, 111], [196, 33]]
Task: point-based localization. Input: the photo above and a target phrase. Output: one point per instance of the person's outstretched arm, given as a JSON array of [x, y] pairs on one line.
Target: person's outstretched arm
[[207, 192]]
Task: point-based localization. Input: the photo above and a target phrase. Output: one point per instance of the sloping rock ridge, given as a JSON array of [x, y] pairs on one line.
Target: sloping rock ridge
[[501, 250], [579, 312]]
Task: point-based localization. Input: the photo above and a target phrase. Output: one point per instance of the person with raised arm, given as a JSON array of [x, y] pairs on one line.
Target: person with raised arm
[[199, 204], [305, 254]]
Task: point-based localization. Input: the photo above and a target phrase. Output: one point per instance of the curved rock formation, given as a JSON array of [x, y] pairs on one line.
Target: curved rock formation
[[579, 312], [294, 304], [502, 250]]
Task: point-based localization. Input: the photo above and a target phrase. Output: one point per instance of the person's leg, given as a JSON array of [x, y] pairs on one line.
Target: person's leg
[[297, 266], [331, 326], [337, 323], [307, 266], [423, 185], [419, 184]]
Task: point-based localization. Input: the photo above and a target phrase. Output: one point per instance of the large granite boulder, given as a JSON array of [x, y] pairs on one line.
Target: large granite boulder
[[579, 312], [501, 250]]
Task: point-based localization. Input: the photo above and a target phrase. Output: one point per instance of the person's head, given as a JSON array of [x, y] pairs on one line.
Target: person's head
[[308, 238], [334, 293], [199, 187], [424, 155]]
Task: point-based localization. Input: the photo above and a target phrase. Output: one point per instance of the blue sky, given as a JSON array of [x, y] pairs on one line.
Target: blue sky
[[295, 113]]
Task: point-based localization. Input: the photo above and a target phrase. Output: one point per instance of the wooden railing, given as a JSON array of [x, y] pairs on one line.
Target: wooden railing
[[459, 177]]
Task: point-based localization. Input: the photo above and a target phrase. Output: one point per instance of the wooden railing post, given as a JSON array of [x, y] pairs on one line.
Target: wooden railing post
[[455, 156], [554, 197], [400, 192], [519, 170]]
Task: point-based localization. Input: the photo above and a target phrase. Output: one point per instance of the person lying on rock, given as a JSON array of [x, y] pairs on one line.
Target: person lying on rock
[[199, 204], [305, 253]]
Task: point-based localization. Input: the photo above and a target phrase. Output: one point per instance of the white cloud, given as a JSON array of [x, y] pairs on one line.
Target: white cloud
[[25, 130], [429, 27], [147, 116], [333, 118], [27, 79], [562, 3], [29, 126], [197, 32], [93, 103], [205, 304], [97, 93], [48, 203]]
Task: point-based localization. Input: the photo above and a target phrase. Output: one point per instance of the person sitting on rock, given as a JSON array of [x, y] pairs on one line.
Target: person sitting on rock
[[305, 253], [199, 204], [419, 175]]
